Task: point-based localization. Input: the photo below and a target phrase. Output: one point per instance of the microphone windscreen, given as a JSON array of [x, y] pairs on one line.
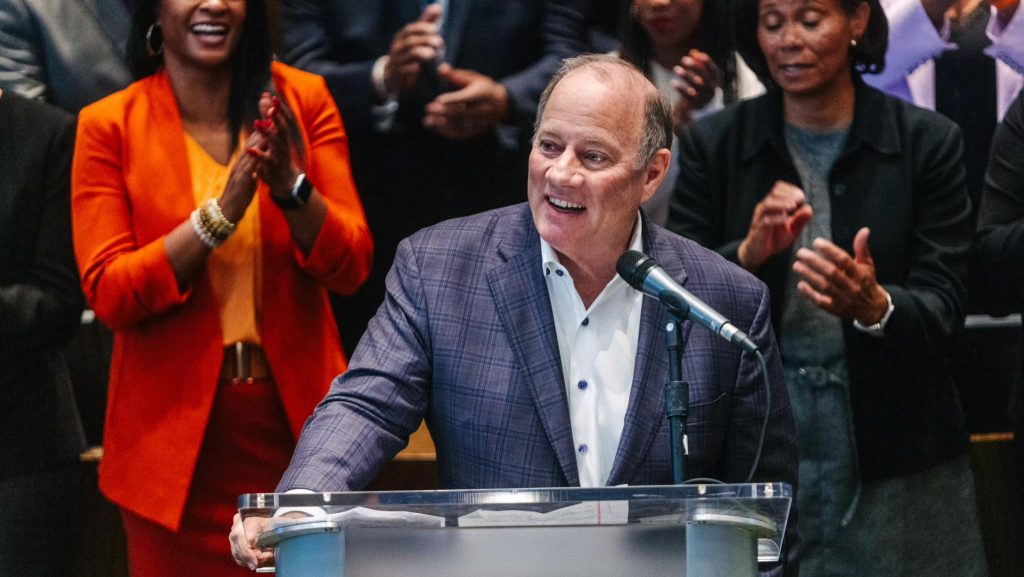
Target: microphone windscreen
[[633, 266]]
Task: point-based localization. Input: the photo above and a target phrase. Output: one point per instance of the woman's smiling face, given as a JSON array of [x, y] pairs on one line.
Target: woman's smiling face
[[201, 33]]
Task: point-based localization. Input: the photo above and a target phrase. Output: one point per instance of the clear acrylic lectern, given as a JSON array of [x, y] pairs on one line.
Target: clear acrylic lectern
[[674, 530]]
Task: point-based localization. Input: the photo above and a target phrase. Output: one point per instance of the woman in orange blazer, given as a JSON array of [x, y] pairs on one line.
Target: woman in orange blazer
[[213, 208]]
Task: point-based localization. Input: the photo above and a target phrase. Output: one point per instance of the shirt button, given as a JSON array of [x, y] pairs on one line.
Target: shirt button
[[559, 272], [582, 385], [583, 448], [586, 321]]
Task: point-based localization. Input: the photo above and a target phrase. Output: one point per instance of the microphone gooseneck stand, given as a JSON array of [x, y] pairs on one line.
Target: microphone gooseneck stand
[[721, 537], [677, 398]]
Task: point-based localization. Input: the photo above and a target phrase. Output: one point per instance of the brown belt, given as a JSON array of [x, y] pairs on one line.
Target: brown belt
[[243, 362]]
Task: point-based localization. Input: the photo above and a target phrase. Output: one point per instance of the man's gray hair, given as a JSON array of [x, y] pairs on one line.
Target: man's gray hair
[[657, 127]]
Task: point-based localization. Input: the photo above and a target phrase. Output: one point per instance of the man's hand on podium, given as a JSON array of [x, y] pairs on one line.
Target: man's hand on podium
[[243, 542]]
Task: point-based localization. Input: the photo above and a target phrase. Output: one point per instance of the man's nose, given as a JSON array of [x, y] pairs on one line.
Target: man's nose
[[565, 171]]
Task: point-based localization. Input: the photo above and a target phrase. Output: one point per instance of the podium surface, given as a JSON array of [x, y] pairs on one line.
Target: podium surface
[[702, 530]]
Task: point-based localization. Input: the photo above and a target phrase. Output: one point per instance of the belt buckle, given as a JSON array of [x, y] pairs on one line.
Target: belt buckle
[[815, 376], [243, 363]]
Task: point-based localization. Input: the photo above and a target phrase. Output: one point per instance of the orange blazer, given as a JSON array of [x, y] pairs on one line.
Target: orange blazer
[[130, 187]]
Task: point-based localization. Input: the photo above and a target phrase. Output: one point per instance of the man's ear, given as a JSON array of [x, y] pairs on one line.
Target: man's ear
[[655, 172]]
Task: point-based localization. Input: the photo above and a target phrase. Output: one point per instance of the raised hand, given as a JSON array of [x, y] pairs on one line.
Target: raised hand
[[415, 45], [275, 151], [778, 220], [477, 105], [839, 283], [697, 79], [242, 181]]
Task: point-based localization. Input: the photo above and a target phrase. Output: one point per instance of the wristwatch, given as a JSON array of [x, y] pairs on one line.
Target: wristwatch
[[299, 195], [877, 329]]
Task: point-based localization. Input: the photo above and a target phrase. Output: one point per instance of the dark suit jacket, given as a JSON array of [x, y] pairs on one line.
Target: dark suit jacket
[[997, 276], [900, 174], [71, 52], [40, 302], [409, 178], [997, 266]]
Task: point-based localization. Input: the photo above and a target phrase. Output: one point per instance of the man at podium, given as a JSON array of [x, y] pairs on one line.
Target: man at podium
[[533, 362]]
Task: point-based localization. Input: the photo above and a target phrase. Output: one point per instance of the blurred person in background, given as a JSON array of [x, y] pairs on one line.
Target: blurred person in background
[[685, 47], [213, 207], [438, 99], [69, 53], [963, 58], [40, 304], [997, 266], [851, 206]]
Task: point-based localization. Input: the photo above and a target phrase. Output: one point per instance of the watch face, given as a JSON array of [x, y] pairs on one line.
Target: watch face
[[303, 189]]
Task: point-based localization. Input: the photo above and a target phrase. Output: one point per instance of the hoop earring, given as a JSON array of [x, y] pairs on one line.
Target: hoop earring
[[153, 52]]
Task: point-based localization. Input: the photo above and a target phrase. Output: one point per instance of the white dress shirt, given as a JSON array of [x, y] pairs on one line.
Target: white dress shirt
[[597, 346], [914, 43]]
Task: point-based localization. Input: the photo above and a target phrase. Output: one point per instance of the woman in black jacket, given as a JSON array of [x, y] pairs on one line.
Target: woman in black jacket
[[852, 207]]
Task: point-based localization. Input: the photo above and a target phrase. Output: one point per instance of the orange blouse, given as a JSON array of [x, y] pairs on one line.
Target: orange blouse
[[131, 186], [234, 267]]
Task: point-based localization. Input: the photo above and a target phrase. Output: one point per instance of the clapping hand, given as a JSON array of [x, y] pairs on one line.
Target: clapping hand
[[278, 163], [697, 79], [242, 181], [778, 220], [416, 45], [477, 105], [839, 283]]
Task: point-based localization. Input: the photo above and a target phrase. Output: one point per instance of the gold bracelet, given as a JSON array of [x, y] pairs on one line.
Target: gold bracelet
[[220, 225], [210, 227], [200, 230]]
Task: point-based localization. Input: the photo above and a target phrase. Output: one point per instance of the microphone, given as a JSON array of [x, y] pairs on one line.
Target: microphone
[[644, 274]]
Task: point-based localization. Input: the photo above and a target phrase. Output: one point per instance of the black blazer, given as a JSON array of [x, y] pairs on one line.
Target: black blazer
[[997, 274], [40, 299], [997, 264], [900, 174]]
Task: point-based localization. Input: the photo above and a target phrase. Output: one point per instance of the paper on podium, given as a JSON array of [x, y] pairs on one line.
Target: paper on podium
[[588, 513], [364, 517]]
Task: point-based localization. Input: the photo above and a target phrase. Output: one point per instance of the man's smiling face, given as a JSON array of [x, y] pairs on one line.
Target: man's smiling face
[[585, 184]]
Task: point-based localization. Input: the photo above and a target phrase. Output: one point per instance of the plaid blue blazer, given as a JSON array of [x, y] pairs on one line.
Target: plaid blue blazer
[[466, 339]]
